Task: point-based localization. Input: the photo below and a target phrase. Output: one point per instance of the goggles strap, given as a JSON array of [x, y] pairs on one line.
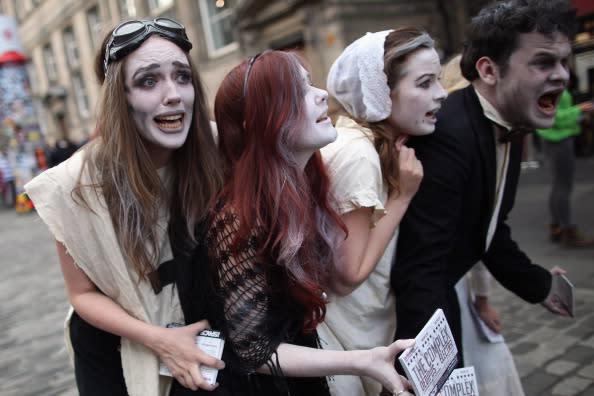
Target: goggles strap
[[145, 29]]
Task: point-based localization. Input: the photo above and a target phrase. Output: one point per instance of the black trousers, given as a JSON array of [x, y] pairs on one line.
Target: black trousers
[[97, 362], [562, 156]]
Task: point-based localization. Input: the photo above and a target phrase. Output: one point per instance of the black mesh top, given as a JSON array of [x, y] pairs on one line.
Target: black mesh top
[[248, 301]]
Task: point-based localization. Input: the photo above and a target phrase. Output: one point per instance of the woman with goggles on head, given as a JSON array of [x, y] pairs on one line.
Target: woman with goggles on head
[[273, 237], [125, 209]]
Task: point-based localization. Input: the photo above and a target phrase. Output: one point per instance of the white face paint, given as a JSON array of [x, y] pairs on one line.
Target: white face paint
[[316, 127], [418, 94], [529, 90], [160, 94]]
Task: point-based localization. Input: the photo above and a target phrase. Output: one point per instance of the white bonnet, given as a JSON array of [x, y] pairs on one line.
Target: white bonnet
[[358, 81]]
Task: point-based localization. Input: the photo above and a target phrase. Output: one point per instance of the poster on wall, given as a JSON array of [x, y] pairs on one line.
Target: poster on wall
[[21, 142]]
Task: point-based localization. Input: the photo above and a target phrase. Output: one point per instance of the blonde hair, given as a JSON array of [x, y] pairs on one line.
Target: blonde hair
[[451, 75]]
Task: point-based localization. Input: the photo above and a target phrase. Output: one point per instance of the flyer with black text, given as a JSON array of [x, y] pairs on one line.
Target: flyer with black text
[[429, 363], [462, 382]]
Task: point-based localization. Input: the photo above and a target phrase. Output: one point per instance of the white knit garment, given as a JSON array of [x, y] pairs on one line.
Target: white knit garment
[[358, 81]]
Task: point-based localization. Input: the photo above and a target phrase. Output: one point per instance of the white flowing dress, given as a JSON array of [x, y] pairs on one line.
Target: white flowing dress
[[366, 318]]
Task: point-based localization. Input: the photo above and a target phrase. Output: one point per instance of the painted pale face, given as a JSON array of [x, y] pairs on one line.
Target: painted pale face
[[161, 95], [316, 127], [530, 89], [418, 94]]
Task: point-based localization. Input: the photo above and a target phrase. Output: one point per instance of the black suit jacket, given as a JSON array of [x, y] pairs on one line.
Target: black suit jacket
[[444, 230]]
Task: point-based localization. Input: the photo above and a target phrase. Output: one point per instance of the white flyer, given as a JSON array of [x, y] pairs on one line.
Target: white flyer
[[429, 363], [487, 333], [562, 289], [210, 341], [462, 382]]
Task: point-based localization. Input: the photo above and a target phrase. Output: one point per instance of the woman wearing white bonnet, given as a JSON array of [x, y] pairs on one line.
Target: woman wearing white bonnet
[[387, 83]]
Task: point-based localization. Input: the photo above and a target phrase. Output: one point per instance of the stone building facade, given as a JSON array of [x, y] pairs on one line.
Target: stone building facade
[[61, 37]]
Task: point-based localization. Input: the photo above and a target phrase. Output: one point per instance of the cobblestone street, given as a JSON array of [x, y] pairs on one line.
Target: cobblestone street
[[34, 359], [554, 355]]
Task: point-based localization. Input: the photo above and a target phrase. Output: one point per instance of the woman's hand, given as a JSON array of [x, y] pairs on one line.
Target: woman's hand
[[380, 367], [488, 313], [410, 169], [176, 347]]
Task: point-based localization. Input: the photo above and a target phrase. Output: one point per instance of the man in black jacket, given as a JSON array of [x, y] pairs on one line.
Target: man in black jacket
[[515, 58]]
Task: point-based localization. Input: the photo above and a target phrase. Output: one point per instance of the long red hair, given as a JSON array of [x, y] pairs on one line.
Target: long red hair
[[265, 187]]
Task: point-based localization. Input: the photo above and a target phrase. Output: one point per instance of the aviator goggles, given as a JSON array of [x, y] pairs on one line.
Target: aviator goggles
[[129, 35]]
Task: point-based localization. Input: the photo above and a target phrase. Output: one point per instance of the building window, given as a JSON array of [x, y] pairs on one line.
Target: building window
[[19, 10], [71, 48], [32, 77], [80, 95], [94, 22], [127, 8], [50, 64], [159, 4], [169, 13], [217, 19]]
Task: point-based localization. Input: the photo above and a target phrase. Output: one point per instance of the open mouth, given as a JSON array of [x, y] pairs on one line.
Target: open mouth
[[170, 122], [322, 119], [548, 102], [432, 115]]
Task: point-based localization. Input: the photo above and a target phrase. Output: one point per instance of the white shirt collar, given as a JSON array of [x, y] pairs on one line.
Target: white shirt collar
[[491, 112]]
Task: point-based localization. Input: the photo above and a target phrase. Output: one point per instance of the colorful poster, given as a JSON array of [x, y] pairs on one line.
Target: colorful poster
[[21, 142]]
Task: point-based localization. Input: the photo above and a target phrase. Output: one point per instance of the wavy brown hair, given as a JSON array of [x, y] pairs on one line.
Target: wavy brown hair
[[399, 45], [123, 173]]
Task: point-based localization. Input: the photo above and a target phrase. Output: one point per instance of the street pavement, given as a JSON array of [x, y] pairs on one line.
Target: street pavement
[[554, 355]]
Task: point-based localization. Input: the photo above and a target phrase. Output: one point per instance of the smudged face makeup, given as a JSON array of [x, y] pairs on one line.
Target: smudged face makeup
[[418, 94], [160, 94], [529, 88], [316, 127]]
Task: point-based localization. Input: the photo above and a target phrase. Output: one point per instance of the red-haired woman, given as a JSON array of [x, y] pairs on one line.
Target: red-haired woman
[[273, 238]]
